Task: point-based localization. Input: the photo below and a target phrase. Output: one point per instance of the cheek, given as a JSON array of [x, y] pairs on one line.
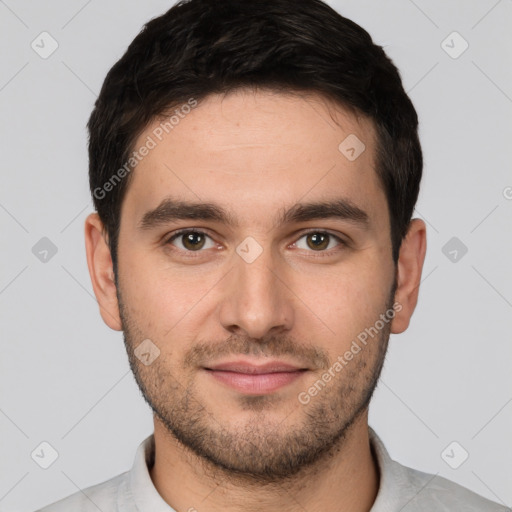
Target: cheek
[[347, 302], [163, 302]]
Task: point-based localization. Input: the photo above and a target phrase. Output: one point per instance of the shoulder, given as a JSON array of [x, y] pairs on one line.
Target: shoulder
[[103, 496], [433, 493], [410, 490]]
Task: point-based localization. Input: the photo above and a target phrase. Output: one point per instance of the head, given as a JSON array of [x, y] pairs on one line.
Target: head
[[254, 167]]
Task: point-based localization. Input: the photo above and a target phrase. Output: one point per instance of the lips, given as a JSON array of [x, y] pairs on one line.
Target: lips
[[244, 367], [255, 379]]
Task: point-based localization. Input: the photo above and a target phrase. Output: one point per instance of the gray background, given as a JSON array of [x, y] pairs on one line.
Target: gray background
[[64, 376]]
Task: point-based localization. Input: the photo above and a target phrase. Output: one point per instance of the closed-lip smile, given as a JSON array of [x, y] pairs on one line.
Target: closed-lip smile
[[255, 378]]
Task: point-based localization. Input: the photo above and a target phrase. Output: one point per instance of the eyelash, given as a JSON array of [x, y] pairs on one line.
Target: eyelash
[[192, 254]]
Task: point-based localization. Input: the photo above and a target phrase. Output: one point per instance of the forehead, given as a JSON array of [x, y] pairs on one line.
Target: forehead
[[256, 152]]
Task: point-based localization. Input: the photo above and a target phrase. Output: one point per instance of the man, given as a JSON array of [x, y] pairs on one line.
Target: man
[[254, 167]]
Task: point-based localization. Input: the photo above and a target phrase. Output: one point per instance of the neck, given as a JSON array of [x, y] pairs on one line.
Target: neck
[[346, 479]]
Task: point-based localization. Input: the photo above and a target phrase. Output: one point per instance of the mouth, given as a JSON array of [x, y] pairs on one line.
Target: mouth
[[251, 378]]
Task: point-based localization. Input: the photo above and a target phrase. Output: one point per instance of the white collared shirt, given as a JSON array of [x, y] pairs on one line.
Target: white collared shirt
[[401, 489]]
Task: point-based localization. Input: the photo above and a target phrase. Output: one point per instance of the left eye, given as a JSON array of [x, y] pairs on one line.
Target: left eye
[[194, 241], [319, 240]]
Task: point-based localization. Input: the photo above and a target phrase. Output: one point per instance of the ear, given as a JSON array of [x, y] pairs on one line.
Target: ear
[[101, 271], [410, 265]]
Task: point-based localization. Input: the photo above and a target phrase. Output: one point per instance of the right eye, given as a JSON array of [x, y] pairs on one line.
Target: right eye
[[191, 240]]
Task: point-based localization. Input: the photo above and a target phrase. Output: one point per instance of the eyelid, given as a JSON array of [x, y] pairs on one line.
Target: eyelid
[[297, 236]]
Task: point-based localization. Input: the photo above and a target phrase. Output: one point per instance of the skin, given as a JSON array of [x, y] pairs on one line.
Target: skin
[[255, 153]]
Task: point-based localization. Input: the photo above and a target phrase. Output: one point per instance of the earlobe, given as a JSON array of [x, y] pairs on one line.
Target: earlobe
[[409, 268], [101, 272]]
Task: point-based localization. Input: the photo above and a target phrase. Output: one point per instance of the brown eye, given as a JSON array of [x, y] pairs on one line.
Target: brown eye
[[190, 240], [319, 241]]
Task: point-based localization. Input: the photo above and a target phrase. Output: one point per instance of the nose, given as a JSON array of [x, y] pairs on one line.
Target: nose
[[257, 297]]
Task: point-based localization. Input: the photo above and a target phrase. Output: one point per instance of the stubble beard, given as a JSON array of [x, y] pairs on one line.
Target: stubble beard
[[261, 450]]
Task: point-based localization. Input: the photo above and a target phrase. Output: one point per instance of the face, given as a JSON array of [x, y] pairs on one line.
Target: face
[[250, 300]]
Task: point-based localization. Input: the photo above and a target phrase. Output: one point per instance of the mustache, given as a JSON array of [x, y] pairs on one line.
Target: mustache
[[271, 346]]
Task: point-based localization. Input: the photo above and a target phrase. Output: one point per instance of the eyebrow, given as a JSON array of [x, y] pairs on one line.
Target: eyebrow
[[170, 210]]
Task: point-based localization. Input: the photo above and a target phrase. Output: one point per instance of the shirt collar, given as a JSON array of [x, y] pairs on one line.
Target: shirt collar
[[143, 491], [147, 498], [392, 477]]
